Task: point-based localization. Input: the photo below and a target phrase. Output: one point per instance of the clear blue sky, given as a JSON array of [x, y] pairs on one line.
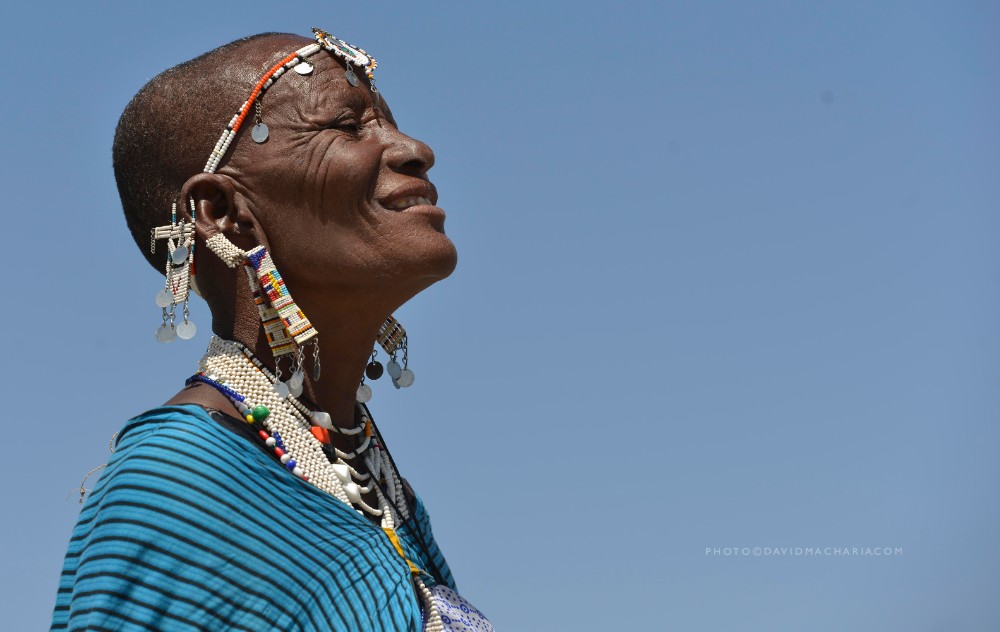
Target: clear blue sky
[[728, 278]]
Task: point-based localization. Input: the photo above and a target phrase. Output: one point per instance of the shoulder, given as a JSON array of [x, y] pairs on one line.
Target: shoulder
[[167, 424], [190, 529]]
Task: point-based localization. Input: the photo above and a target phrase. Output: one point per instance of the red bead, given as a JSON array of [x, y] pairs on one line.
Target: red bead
[[263, 435], [278, 451]]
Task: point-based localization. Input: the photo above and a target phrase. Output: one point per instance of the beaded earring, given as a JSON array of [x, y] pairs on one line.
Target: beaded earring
[[392, 338], [285, 325], [179, 268]]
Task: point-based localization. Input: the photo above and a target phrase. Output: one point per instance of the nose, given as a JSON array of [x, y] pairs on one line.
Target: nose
[[409, 155]]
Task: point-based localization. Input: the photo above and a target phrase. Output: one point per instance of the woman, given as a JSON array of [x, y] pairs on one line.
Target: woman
[[262, 496]]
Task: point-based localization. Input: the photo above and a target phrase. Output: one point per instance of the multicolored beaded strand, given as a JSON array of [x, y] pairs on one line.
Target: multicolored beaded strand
[[231, 368]]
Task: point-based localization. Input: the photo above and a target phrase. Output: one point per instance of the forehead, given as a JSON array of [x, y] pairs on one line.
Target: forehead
[[326, 89]]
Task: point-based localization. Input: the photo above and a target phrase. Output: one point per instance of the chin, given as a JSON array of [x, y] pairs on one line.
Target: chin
[[440, 258]]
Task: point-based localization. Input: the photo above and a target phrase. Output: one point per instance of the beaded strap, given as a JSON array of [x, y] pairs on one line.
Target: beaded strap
[[273, 287], [390, 335]]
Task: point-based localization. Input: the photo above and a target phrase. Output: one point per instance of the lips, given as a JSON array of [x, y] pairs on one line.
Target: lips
[[418, 193], [406, 202]]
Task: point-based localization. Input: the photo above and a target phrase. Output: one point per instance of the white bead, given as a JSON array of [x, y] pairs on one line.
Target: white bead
[[352, 491], [270, 441], [322, 420], [285, 458], [342, 471]]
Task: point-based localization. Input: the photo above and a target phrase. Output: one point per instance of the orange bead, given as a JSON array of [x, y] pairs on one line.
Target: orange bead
[[322, 434]]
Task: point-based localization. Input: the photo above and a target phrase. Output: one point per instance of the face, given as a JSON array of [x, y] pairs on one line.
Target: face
[[342, 196]]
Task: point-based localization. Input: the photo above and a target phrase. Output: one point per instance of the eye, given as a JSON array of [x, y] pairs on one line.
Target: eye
[[347, 124]]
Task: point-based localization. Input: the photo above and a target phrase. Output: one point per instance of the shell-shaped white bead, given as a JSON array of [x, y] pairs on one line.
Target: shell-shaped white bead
[[353, 492], [322, 419], [342, 471]]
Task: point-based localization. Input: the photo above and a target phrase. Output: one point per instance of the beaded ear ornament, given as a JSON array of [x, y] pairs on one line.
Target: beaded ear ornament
[[179, 268], [392, 338]]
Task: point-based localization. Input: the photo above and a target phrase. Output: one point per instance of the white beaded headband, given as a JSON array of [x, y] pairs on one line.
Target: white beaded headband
[[352, 56]]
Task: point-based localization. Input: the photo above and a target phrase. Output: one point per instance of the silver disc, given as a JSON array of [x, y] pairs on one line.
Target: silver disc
[[351, 77], [259, 133], [186, 330], [304, 68]]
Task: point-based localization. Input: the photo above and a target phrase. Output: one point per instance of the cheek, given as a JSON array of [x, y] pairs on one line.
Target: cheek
[[340, 180]]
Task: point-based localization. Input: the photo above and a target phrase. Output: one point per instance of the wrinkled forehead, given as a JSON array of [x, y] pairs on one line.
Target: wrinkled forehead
[[328, 89]]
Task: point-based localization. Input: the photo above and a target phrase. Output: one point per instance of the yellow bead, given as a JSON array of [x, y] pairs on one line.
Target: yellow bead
[[249, 419]]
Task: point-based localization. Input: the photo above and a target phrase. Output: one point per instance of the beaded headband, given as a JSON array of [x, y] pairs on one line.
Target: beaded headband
[[352, 56]]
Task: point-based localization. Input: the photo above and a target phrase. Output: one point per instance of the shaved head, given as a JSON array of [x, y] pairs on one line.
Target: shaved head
[[167, 131]]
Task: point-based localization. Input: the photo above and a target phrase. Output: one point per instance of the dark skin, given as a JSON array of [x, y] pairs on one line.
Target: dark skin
[[334, 196]]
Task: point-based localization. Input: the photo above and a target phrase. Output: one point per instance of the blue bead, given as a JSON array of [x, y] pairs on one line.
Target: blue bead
[[291, 464]]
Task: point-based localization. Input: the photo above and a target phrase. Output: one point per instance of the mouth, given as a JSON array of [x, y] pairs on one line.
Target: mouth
[[400, 204], [410, 195]]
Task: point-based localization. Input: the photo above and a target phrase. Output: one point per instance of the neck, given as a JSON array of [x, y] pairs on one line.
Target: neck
[[346, 337]]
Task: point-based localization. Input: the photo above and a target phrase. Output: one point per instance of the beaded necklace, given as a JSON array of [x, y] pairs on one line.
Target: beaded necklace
[[299, 438]]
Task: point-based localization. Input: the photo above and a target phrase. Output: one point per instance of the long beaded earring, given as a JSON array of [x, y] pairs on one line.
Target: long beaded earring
[[285, 325], [179, 268]]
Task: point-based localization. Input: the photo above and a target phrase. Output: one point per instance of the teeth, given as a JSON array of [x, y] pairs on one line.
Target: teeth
[[408, 202]]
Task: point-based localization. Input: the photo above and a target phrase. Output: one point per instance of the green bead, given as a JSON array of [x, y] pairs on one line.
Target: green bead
[[260, 413]]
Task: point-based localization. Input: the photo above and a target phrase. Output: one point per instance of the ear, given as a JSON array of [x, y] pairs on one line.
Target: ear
[[218, 209]]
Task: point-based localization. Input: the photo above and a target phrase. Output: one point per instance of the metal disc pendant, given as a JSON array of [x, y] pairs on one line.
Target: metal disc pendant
[[164, 298], [351, 77], [304, 68], [280, 389], [259, 133], [364, 394], [295, 383], [374, 370], [186, 330], [166, 333], [394, 370], [405, 378]]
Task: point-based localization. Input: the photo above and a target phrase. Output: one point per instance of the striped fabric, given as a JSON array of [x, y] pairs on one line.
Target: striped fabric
[[194, 527]]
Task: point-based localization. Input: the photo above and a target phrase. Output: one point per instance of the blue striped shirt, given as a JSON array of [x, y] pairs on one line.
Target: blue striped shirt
[[193, 527]]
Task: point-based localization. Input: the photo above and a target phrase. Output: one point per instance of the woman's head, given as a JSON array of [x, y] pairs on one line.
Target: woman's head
[[337, 193]]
